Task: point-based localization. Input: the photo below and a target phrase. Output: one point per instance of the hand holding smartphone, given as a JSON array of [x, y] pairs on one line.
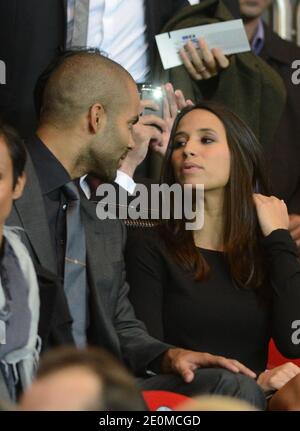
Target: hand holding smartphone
[[154, 93]]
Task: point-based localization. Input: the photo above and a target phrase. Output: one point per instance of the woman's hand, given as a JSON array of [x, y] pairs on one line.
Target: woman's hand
[[274, 379], [271, 212]]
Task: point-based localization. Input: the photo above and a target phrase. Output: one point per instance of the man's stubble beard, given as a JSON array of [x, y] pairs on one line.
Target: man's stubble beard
[[104, 161], [102, 166]]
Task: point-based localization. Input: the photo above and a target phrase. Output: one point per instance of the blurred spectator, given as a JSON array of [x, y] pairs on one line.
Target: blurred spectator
[[91, 379], [214, 403], [19, 298]]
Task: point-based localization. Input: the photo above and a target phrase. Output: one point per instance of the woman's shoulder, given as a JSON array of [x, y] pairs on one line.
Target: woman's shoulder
[[144, 240], [149, 235]]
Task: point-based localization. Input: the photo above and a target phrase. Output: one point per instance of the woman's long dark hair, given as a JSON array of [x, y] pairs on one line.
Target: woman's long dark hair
[[241, 231]]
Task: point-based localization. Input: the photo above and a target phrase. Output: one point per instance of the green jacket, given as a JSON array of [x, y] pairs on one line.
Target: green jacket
[[250, 87]]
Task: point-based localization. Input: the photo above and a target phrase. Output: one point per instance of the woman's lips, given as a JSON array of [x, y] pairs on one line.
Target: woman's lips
[[189, 168]]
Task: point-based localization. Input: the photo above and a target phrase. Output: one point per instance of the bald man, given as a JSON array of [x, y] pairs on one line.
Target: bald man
[[89, 109]]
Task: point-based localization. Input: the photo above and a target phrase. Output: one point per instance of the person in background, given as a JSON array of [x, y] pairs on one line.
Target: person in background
[[284, 153], [231, 285], [283, 150], [91, 379], [19, 295], [214, 403], [124, 29]]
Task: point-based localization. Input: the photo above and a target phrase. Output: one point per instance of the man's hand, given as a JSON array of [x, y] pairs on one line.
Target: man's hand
[[174, 102], [294, 228], [271, 212], [203, 63], [185, 362], [274, 379]]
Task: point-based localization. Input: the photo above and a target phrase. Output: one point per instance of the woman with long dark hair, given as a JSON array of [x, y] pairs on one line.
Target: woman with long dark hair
[[230, 286]]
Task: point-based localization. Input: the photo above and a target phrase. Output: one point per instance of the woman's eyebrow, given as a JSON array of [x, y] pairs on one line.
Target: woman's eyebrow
[[206, 129], [201, 130], [180, 133]]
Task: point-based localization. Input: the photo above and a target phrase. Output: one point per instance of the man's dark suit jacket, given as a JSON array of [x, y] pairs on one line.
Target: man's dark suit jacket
[[31, 33], [112, 321], [285, 150]]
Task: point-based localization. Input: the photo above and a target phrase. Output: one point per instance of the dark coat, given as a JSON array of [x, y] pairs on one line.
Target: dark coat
[[284, 152]]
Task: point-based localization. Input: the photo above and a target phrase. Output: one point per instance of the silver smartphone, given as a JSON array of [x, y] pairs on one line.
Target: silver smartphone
[[150, 92]]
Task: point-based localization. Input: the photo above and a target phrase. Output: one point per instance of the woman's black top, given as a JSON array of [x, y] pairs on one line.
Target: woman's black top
[[214, 315]]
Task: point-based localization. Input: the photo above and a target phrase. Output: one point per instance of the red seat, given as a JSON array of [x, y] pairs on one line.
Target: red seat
[[163, 400], [275, 358]]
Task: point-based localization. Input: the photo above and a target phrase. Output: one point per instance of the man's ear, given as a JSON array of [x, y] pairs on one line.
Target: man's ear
[[96, 117], [19, 187]]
